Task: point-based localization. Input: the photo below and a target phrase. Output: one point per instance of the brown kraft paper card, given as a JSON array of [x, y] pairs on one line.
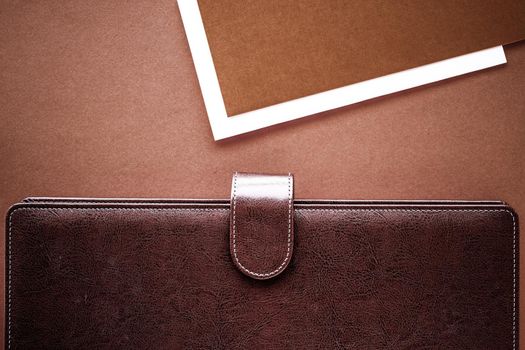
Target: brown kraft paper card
[[272, 51]]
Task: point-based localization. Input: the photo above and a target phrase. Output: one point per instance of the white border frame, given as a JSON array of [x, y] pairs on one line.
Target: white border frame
[[224, 126]]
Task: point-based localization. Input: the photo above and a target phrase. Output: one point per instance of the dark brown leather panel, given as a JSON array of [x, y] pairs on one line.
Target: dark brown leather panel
[[85, 276], [261, 223]]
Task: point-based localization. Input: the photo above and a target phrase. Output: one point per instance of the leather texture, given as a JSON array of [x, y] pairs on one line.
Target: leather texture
[[141, 274], [261, 223]]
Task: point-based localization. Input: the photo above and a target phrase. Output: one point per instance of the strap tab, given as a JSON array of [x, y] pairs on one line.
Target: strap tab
[[261, 224]]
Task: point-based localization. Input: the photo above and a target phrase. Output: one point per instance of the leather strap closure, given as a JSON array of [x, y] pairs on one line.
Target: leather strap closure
[[261, 224]]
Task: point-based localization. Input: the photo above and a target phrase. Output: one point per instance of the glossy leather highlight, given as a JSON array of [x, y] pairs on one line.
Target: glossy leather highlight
[[261, 224]]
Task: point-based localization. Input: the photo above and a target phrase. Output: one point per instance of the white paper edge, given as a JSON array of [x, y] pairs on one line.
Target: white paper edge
[[223, 126]]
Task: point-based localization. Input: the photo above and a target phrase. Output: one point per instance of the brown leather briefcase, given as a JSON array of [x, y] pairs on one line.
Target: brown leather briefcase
[[261, 271]]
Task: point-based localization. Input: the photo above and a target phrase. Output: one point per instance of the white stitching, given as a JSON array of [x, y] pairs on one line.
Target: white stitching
[[514, 262], [289, 239], [9, 282], [513, 280], [116, 208], [124, 201]]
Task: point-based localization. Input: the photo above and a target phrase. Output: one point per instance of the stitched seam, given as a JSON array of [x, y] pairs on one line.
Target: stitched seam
[[514, 258], [124, 201], [116, 208], [9, 281], [289, 238], [513, 280]]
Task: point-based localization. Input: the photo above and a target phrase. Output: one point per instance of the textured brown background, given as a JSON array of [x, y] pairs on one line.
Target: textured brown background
[[271, 51], [101, 99]]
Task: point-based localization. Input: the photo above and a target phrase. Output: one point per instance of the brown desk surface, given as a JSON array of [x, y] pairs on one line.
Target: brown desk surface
[[101, 99]]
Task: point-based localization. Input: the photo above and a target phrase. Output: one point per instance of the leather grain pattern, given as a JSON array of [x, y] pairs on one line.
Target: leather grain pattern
[[158, 275], [261, 223]]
